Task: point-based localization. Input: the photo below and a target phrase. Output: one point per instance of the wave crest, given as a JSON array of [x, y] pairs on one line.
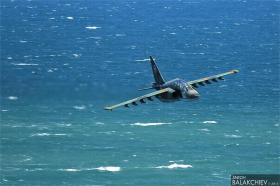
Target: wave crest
[[149, 124], [210, 122], [109, 168], [175, 166]]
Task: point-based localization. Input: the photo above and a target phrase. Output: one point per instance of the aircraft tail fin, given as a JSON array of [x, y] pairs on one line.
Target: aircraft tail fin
[[158, 77]]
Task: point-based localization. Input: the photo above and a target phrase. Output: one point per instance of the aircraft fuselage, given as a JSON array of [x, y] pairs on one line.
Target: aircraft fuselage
[[182, 91]]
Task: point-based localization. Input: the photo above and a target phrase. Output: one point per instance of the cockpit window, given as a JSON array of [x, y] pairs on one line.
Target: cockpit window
[[189, 87]]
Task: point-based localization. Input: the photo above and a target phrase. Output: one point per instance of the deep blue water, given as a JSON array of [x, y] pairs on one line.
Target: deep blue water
[[63, 61]]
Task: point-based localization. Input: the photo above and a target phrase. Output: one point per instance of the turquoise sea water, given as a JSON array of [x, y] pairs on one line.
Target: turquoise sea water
[[63, 61]]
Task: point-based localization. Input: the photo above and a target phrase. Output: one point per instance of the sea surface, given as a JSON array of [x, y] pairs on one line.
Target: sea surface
[[62, 61]]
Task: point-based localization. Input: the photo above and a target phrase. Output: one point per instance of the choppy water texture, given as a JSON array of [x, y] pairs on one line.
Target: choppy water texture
[[63, 61]]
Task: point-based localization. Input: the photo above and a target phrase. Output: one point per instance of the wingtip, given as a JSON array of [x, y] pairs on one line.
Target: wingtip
[[235, 71], [108, 108]]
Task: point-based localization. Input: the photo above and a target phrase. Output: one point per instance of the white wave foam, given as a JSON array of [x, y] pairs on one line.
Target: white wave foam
[[120, 35], [132, 47], [81, 107], [148, 124], [64, 124], [27, 159], [107, 132], [33, 170], [109, 168], [60, 134], [174, 161], [71, 18], [76, 55], [25, 64], [70, 170], [96, 37], [99, 123], [210, 122], [12, 98], [196, 53], [232, 136], [47, 134], [221, 86], [92, 27], [205, 130], [41, 134], [175, 166]]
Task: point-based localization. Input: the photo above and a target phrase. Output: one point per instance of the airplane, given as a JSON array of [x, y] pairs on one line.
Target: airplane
[[173, 90]]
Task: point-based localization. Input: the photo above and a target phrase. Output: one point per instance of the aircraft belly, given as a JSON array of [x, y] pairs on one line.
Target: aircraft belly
[[168, 97]]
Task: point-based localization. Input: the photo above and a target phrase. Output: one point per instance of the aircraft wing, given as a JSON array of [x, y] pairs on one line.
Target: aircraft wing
[[211, 79], [140, 99]]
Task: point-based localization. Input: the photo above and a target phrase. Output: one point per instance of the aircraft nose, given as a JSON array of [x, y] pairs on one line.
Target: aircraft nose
[[193, 94]]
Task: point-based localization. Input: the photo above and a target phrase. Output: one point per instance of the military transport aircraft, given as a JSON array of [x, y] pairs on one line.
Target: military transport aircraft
[[173, 90]]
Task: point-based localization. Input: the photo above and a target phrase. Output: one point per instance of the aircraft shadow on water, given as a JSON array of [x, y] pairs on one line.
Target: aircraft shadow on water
[[173, 90]]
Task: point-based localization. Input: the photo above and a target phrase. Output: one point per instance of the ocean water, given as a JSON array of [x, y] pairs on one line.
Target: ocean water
[[63, 61]]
